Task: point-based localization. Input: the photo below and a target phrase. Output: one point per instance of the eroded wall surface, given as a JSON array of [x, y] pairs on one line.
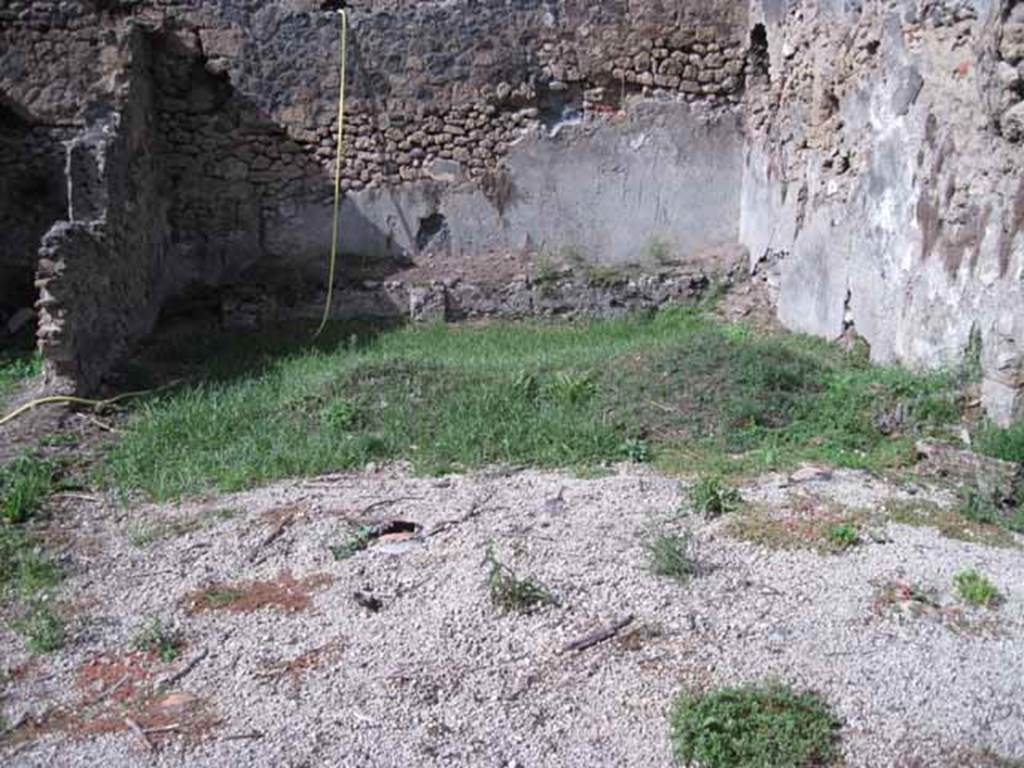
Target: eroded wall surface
[[883, 180]]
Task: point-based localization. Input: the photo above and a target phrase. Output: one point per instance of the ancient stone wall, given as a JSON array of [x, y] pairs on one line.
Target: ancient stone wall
[[867, 154], [100, 270], [884, 177], [485, 143]]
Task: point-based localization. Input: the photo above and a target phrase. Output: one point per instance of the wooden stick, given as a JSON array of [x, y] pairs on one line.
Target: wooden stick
[[109, 691], [184, 670], [137, 730], [240, 736], [475, 510], [163, 729], [273, 536], [387, 503], [598, 635]]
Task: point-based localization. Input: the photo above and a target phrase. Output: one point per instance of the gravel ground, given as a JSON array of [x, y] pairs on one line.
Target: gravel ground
[[438, 676]]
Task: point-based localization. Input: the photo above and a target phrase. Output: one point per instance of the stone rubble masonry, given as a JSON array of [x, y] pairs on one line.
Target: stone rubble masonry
[[867, 154]]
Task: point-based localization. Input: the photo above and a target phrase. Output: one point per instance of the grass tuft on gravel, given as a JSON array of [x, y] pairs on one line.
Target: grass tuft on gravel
[[673, 555], [160, 640], [43, 628], [711, 497], [511, 592], [25, 482], [28, 578], [677, 387], [976, 589], [754, 727]]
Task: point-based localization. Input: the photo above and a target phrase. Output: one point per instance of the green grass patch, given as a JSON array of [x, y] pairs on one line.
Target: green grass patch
[[43, 628], [17, 367], [676, 388], [27, 579], [979, 507], [965, 523], [25, 569], [1006, 444], [673, 555], [754, 727], [976, 589], [25, 482]]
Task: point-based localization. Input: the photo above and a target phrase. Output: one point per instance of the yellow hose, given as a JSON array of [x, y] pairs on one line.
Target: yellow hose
[[342, 64], [96, 404]]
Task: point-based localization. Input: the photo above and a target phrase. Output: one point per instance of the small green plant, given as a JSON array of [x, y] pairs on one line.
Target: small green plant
[[636, 450], [358, 541], [24, 483], [24, 568], [42, 627], [976, 589], [572, 389], [711, 497], [844, 535], [157, 639], [754, 727], [509, 591], [673, 555], [340, 416]]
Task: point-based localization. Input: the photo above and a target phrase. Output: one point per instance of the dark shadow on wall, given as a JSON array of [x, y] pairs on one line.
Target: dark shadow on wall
[[250, 208], [32, 197]]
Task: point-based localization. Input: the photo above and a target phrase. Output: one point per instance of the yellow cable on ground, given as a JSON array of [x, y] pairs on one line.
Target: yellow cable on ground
[[342, 64], [96, 404]]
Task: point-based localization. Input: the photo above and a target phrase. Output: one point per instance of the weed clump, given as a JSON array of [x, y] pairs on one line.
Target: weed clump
[[44, 630], [976, 589], [844, 535], [673, 556], [354, 544], [711, 497], [25, 482], [1006, 444], [512, 592], [636, 450], [159, 640], [754, 727]]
